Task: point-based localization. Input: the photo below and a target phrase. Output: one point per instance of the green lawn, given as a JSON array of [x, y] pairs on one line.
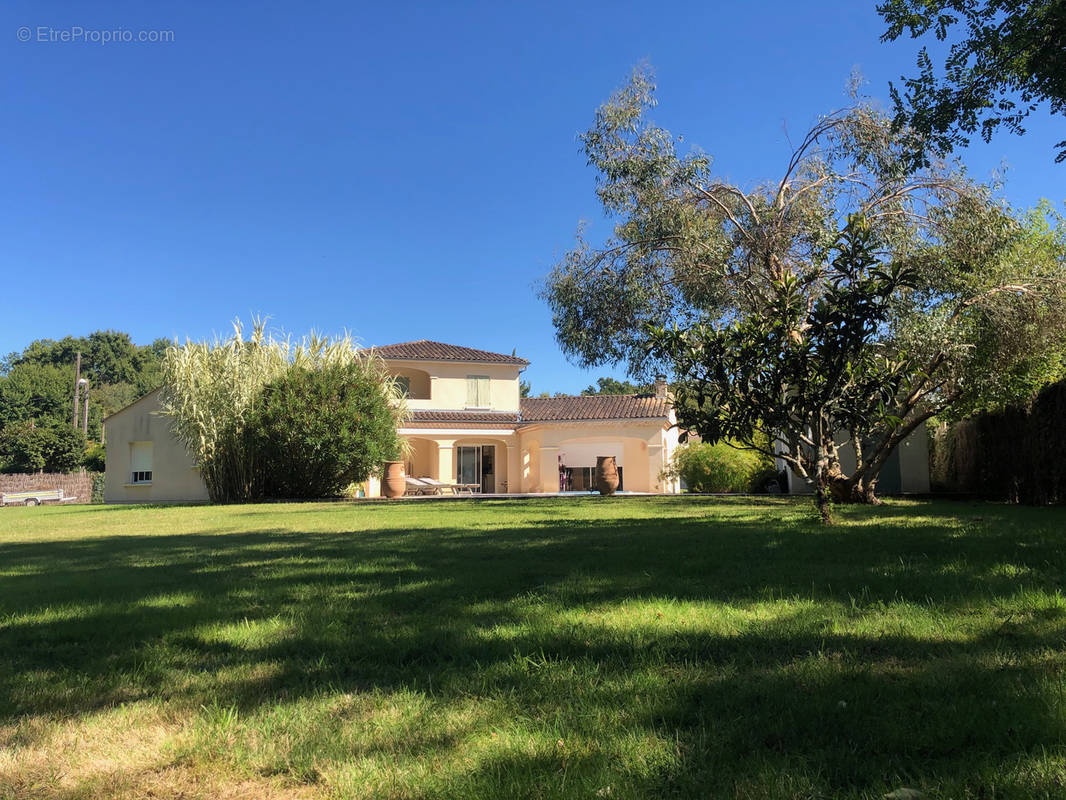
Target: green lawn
[[642, 647]]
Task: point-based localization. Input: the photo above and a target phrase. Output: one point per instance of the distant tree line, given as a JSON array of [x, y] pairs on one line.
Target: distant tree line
[[37, 397], [604, 385]]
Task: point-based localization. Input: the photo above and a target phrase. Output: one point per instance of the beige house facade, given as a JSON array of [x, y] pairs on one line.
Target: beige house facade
[[145, 463], [467, 424]]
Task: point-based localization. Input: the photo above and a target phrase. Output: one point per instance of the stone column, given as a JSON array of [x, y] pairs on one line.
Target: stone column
[[514, 467], [446, 460], [655, 466]]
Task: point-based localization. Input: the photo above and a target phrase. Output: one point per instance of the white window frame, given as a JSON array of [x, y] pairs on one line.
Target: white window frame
[[141, 477]]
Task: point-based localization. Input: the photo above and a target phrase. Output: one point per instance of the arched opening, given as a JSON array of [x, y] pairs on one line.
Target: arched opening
[[413, 383], [577, 462], [421, 460]]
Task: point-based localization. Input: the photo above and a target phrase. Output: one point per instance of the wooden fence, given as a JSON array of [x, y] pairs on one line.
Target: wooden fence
[[74, 484]]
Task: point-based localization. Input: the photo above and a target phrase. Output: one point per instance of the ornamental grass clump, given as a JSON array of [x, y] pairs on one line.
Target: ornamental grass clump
[[220, 394]]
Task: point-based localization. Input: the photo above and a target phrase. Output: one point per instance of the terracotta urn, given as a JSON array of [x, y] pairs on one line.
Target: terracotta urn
[[606, 475], [393, 483]]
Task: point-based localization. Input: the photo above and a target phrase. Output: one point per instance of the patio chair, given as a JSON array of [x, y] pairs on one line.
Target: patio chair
[[441, 486], [417, 486]]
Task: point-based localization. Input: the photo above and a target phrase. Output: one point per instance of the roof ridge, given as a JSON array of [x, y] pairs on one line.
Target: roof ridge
[[433, 350]]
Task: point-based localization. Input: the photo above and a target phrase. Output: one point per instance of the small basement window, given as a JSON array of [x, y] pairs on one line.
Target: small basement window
[[141, 462]]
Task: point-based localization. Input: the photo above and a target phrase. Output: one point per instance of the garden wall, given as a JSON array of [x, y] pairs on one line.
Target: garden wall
[[1017, 455], [74, 484]]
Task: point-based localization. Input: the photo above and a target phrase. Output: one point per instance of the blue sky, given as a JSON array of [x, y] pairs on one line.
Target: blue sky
[[400, 170]]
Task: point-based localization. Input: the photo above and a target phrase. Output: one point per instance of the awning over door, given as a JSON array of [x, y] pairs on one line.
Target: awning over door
[[584, 455]]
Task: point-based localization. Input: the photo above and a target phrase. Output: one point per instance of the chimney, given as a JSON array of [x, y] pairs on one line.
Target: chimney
[[660, 385]]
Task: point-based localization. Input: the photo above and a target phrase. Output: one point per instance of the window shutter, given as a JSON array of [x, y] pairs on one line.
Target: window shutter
[[140, 462], [477, 391]]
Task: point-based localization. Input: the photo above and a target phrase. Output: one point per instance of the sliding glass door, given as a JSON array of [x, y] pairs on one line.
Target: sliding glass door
[[475, 465]]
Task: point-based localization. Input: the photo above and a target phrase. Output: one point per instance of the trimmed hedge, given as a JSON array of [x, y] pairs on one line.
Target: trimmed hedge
[[1017, 455]]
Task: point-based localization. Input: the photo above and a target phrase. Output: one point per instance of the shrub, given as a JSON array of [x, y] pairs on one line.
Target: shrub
[[316, 430], [47, 448], [93, 459], [720, 468], [99, 484], [211, 391]]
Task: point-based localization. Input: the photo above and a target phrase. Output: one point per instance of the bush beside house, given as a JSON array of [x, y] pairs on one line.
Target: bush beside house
[[315, 431], [719, 467], [270, 418]]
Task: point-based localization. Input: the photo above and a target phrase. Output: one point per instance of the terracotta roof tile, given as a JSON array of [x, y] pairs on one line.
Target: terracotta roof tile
[[597, 406], [548, 409], [457, 417], [426, 350]]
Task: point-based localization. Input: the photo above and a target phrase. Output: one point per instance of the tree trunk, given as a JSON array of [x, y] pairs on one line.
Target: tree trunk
[[853, 489], [824, 463], [824, 501]]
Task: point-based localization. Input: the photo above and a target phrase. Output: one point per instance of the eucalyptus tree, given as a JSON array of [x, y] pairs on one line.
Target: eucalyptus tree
[[854, 297]]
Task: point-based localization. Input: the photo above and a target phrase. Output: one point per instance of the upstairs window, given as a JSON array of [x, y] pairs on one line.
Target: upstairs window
[[477, 391], [140, 462], [403, 385]]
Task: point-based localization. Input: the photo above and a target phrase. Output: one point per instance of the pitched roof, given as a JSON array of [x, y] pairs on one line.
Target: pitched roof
[[547, 409], [596, 406], [426, 350]]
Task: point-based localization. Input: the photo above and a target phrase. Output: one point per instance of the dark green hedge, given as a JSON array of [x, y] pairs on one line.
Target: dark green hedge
[[1017, 455]]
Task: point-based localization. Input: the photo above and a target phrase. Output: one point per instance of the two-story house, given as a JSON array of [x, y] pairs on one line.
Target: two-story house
[[468, 424]]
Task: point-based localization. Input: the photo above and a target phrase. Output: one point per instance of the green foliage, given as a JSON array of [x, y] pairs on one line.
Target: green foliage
[[720, 467], [98, 487], [857, 293], [1012, 454], [212, 393], [315, 430], [38, 383], [524, 388], [1010, 59], [803, 370], [93, 459], [608, 385], [50, 448], [41, 392], [107, 357]]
